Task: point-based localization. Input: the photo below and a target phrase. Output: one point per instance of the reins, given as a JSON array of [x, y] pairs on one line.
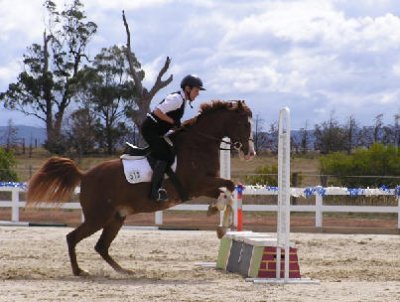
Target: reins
[[236, 145]]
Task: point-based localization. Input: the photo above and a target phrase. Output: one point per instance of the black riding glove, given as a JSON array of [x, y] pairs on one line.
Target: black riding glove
[[177, 124]]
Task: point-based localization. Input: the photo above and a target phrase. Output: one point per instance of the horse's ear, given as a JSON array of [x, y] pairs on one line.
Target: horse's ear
[[240, 104]]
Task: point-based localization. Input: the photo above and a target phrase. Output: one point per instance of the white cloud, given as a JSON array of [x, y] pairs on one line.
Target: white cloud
[[20, 21], [390, 97], [125, 4], [313, 55], [9, 72]]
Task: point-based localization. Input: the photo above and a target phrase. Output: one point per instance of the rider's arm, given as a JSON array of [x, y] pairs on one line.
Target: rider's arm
[[162, 116], [170, 103]]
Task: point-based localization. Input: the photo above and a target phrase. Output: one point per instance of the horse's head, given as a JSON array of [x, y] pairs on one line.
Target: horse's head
[[218, 119], [240, 130]]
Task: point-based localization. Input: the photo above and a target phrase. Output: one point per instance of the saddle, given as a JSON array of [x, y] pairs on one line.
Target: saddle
[[135, 153], [133, 150]]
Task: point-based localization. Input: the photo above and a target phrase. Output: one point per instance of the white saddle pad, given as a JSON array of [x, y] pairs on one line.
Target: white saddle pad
[[137, 169]]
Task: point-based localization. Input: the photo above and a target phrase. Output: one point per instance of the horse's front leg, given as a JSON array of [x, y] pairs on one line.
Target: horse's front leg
[[221, 190], [214, 186]]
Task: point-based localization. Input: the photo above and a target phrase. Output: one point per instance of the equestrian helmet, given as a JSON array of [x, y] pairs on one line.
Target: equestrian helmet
[[192, 81]]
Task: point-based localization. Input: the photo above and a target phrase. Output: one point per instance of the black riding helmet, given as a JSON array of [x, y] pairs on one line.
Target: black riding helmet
[[192, 81]]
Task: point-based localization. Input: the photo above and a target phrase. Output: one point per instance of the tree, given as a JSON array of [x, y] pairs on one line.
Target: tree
[[10, 136], [7, 162], [273, 136], [83, 130], [378, 127], [304, 138], [259, 136], [388, 135], [142, 97], [396, 130], [105, 88], [350, 133], [46, 87], [329, 136], [366, 136]]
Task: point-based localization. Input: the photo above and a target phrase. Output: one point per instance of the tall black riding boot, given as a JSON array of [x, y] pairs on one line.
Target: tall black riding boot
[[157, 192]]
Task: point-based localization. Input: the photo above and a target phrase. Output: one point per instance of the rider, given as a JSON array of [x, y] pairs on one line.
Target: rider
[[165, 116]]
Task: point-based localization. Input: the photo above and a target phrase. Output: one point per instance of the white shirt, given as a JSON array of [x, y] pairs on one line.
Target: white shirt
[[172, 102]]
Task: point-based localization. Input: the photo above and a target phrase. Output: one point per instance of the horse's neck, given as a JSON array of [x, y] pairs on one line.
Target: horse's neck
[[199, 144], [207, 133]]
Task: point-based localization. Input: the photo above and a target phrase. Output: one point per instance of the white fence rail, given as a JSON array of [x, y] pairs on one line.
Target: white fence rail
[[318, 193]]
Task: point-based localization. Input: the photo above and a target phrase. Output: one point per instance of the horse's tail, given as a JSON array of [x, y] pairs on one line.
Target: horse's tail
[[54, 182]]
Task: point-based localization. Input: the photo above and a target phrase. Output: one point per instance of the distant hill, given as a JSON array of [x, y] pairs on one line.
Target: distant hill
[[27, 133]]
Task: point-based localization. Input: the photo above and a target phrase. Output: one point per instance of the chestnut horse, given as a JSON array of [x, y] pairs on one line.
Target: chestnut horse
[[107, 198]]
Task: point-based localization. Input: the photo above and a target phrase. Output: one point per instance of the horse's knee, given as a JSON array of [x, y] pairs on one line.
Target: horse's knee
[[230, 186], [224, 199], [212, 209]]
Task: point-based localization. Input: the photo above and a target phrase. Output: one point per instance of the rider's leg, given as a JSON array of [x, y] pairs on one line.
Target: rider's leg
[[162, 152], [158, 193], [165, 156]]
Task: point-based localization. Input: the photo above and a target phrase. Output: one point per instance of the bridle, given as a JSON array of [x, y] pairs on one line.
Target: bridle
[[235, 145]]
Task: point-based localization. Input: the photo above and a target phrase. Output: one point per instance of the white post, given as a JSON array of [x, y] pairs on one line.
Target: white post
[[225, 169], [225, 158], [235, 209], [15, 205], [283, 214], [318, 210], [283, 221], [159, 218], [398, 214]]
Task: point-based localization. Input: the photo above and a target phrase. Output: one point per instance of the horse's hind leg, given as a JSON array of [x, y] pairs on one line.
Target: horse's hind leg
[[110, 231], [84, 230]]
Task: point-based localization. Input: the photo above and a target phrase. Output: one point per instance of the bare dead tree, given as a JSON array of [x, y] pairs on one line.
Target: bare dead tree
[[142, 96]]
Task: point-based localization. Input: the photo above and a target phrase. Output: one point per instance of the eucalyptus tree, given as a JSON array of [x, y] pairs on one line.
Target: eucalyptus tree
[[46, 86], [352, 133], [260, 137], [330, 136], [304, 138], [105, 88]]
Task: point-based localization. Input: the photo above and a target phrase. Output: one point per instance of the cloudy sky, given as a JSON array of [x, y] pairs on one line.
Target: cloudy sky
[[316, 56]]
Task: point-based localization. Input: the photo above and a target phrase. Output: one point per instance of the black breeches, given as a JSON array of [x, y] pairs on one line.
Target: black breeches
[[160, 149]]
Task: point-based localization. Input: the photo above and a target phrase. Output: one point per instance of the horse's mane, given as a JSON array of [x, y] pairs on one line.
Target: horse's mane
[[216, 105]]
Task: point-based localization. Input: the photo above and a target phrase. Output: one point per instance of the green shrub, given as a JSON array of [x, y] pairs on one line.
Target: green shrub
[[265, 175], [371, 167], [7, 162], [268, 175]]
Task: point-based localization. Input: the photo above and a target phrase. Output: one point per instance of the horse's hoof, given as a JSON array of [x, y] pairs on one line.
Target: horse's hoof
[[221, 231], [125, 271], [81, 273]]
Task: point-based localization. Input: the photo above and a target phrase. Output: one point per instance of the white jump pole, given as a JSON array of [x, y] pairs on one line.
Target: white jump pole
[[283, 215], [225, 166], [283, 220]]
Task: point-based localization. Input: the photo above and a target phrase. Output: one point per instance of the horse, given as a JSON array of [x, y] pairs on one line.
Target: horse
[[107, 198]]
